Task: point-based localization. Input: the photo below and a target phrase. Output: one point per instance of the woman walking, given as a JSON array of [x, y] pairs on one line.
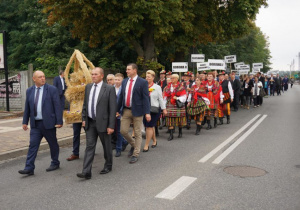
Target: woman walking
[[196, 103], [175, 97], [247, 86], [157, 104], [257, 87]]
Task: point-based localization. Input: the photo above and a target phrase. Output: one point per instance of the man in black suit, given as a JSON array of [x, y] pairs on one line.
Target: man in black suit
[[236, 86], [60, 84], [43, 109], [262, 79], [98, 119]]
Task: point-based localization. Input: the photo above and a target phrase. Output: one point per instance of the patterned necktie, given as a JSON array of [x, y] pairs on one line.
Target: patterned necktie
[[36, 101], [129, 93], [93, 103]]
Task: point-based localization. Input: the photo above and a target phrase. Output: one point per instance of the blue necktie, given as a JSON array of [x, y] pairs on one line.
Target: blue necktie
[[93, 103], [36, 101]]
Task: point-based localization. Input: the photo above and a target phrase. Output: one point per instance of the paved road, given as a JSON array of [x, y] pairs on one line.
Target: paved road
[[171, 176]]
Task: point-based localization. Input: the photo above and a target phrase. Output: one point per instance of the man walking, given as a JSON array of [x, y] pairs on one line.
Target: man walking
[[98, 119], [60, 84], [134, 102], [236, 90], [43, 109]]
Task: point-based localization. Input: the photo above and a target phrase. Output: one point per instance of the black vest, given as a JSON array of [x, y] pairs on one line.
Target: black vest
[[225, 86]]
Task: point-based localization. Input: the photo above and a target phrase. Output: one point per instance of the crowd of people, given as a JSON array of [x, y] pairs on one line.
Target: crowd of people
[[110, 108]]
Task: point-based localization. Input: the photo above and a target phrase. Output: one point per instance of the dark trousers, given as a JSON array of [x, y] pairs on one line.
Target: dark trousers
[[260, 99], [256, 100], [278, 90], [62, 101], [36, 135], [120, 139], [272, 90], [236, 100], [76, 138], [92, 135]]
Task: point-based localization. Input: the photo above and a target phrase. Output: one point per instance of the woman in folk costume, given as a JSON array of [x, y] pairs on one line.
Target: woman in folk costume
[[213, 91], [175, 116], [196, 103]]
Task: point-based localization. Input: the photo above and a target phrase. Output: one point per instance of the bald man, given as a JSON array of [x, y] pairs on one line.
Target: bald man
[[43, 108]]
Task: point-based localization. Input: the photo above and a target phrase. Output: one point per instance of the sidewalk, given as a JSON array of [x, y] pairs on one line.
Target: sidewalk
[[14, 141]]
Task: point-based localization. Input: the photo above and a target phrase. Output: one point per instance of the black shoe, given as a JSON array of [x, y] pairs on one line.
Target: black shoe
[[215, 122], [27, 172], [133, 160], [221, 121], [124, 147], [228, 119], [160, 127], [208, 125], [171, 135], [52, 168], [153, 146], [105, 171], [130, 152], [84, 176], [198, 129], [180, 133], [146, 150], [118, 154]]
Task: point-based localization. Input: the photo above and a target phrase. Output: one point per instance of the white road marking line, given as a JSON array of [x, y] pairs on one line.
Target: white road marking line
[[176, 188], [218, 148], [240, 140]]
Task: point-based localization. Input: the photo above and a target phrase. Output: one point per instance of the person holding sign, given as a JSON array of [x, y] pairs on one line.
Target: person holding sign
[[213, 91], [226, 98], [196, 106], [174, 98]]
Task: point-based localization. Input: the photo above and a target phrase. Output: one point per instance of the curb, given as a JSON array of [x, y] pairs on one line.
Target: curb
[[8, 115], [43, 146]]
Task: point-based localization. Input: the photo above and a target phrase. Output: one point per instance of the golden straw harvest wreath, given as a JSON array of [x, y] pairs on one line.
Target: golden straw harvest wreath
[[76, 83]]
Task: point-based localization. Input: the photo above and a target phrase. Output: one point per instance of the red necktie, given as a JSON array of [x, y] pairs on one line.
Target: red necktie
[[129, 93]]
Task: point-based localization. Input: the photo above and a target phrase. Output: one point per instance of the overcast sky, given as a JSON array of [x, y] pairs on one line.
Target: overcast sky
[[280, 21]]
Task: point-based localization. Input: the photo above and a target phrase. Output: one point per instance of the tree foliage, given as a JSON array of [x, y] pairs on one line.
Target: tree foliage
[[149, 26]]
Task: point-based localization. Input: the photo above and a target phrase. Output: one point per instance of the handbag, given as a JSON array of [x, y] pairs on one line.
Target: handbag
[[154, 109], [261, 92], [179, 104]]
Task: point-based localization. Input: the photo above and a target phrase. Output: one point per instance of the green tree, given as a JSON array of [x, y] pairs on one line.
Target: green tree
[[150, 26]]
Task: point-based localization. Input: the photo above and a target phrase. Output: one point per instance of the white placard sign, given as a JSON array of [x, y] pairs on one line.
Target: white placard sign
[[258, 65], [197, 58], [216, 64], [242, 72], [255, 70], [179, 66], [244, 67], [236, 65], [230, 59], [202, 66]]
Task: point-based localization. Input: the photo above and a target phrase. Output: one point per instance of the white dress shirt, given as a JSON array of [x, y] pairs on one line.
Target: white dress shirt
[[98, 88], [127, 88], [62, 82]]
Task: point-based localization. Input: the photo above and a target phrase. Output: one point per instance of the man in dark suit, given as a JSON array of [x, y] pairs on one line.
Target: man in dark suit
[[98, 119], [60, 84], [134, 102], [236, 86], [262, 80], [43, 109]]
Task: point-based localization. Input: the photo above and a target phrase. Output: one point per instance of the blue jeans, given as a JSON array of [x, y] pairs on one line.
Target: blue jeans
[[120, 139]]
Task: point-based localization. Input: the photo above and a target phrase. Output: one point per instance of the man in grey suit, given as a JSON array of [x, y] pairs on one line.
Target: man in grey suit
[[98, 119]]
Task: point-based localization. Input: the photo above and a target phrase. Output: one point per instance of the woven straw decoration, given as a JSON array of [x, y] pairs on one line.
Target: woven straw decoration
[[76, 83]]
